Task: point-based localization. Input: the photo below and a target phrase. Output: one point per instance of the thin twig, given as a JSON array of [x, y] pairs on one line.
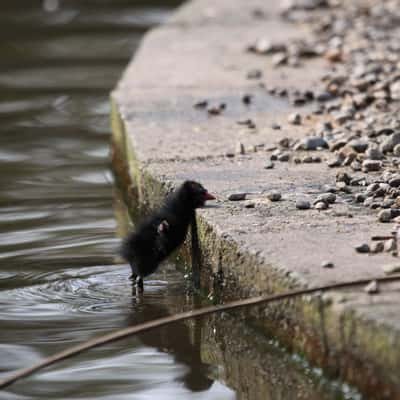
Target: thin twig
[[124, 333]]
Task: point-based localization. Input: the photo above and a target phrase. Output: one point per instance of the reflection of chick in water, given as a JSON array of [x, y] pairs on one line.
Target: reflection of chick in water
[[177, 339]]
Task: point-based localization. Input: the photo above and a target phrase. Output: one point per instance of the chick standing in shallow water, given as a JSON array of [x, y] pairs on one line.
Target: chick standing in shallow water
[[163, 231]]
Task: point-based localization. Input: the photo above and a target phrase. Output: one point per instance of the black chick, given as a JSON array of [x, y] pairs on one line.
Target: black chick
[[163, 231]]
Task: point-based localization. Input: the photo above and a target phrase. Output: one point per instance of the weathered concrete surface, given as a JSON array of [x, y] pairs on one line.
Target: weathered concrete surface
[[163, 140]]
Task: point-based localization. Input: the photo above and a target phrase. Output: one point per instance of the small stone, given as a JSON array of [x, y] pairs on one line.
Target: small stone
[[343, 177], [385, 215], [265, 46], [240, 148], [269, 165], [358, 145], [297, 160], [284, 157], [247, 99], [391, 268], [362, 248], [329, 189], [274, 196], [321, 205], [342, 187], [389, 143], [201, 104], [334, 55], [294, 119], [338, 144], [343, 117], [214, 110], [249, 204], [335, 162], [395, 181], [360, 198], [387, 203], [316, 159], [390, 245], [237, 196], [254, 74], [373, 153], [307, 159], [395, 90], [372, 288], [284, 142], [371, 165], [396, 150], [327, 264], [275, 126], [311, 143], [303, 204], [356, 166], [279, 59], [328, 198], [377, 247]]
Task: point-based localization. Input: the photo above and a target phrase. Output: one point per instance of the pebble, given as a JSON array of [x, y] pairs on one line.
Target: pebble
[[390, 245], [371, 165], [321, 205], [328, 198], [395, 90], [360, 198], [388, 144], [343, 177], [385, 215], [377, 247], [336, 162], [362, 248], [247, 99], [269, 165], [391, 268], [356, 166], [316, 159], [303, 204], [284, 157], [279, 59], [358, 145], [373, 153], [275, 126], [396, 150], [327, 264], [294, 119], [254, 74], [249, 204], [201, 104], [372, 287], [334, 55], [395, 181], [274, 196], [311, 143], [237, 196], [240, 148], [343, 187]]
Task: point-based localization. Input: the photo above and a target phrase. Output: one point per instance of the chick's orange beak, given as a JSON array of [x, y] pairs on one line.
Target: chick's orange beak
[[208, 196]]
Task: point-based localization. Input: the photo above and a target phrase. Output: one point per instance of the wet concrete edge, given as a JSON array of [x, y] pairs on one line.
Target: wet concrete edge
[[360, 352]]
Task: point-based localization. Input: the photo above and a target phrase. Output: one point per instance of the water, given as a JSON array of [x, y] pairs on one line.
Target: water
[[60, 282]]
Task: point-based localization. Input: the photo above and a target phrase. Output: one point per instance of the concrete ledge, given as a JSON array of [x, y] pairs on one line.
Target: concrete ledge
[[159, 140]]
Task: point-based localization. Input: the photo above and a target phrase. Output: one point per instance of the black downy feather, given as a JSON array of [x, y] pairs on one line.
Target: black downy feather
[[162, 232]]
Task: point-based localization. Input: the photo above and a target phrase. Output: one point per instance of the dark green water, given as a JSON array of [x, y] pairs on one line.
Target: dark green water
[[60, 282]]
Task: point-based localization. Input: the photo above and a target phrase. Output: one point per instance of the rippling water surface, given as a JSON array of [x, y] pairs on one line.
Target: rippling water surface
[[60, 283]]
